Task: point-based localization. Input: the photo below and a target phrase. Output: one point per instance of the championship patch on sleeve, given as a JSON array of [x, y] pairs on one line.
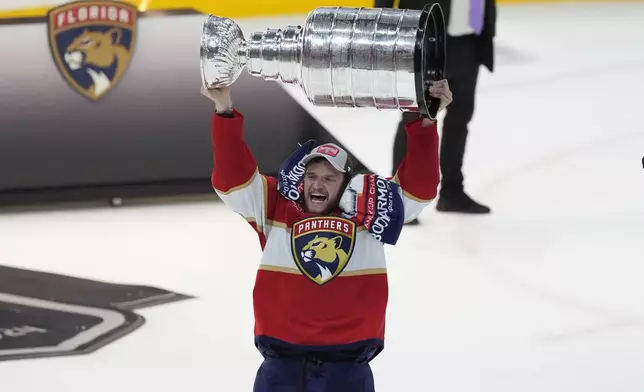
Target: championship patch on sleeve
[[376, 204]]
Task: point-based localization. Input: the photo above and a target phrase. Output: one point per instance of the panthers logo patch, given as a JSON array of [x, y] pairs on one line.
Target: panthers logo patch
[[322, 246], [92, 43]]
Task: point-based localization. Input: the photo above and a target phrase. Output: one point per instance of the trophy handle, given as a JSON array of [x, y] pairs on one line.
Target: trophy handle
[[430, 57]]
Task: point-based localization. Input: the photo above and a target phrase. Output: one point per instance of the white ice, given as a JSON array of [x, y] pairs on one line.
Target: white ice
[[544, 295]]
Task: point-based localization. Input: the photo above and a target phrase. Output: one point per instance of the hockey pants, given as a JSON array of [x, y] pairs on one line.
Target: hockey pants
[[301, 375]]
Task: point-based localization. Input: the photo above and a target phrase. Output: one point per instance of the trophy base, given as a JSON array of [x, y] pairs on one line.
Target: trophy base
[[429, 57]]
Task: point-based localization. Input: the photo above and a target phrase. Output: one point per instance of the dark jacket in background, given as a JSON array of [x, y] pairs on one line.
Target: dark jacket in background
[[486, 47]]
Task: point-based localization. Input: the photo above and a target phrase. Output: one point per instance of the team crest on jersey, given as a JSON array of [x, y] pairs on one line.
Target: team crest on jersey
[[92, 43], [322, 246]]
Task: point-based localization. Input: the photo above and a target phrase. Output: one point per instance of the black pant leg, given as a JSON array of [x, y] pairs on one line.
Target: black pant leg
[[462, 75]]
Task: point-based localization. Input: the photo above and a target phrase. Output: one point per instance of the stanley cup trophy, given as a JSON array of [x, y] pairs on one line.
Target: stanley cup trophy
[[342, 57]]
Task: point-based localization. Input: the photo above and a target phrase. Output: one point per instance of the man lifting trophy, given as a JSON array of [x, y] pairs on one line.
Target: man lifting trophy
[[321, 289]]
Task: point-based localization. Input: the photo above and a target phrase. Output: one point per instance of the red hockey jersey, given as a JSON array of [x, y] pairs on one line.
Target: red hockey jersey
[[322, 280]]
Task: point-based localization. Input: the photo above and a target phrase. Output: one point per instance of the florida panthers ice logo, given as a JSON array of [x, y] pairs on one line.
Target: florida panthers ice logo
[[92, 43], [322, 246]]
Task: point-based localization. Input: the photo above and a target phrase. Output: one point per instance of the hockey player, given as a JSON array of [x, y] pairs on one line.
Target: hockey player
[[321, 290]]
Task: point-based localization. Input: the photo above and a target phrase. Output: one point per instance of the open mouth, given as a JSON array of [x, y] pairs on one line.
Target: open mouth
[[317, 198]]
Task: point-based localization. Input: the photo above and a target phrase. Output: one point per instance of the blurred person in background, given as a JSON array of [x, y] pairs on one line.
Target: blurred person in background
[[471, 26]]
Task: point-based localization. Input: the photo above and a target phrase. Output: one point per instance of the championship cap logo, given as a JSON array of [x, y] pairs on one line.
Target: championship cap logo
[[328, 150], [322, 246], [92, 43]]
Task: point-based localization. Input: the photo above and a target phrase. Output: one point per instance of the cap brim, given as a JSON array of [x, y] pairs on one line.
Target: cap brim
[[311, 156]]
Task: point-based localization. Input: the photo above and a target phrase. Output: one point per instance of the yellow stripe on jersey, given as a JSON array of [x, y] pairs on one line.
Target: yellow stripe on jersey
[[293, 271], [408, 195], [239, 187], [372, 271]]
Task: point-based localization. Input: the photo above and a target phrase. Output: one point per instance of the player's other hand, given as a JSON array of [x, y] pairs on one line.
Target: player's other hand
[[439, 89], [220, 96]]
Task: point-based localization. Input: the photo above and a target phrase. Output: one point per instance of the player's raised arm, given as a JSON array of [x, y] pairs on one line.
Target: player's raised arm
[[235, 176], [419, 174]]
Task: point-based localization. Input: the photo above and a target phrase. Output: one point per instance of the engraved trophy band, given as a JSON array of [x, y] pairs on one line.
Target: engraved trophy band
[[341, 57]]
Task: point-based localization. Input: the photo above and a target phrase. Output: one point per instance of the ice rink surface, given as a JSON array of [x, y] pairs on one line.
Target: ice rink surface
[[544, 295]]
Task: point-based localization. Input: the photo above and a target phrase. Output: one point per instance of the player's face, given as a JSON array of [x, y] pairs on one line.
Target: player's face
[[322, 186]]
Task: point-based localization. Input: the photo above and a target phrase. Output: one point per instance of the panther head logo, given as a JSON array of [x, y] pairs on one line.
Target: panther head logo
[[322, 246], [327, 254], [92, 43], [101, 50]]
